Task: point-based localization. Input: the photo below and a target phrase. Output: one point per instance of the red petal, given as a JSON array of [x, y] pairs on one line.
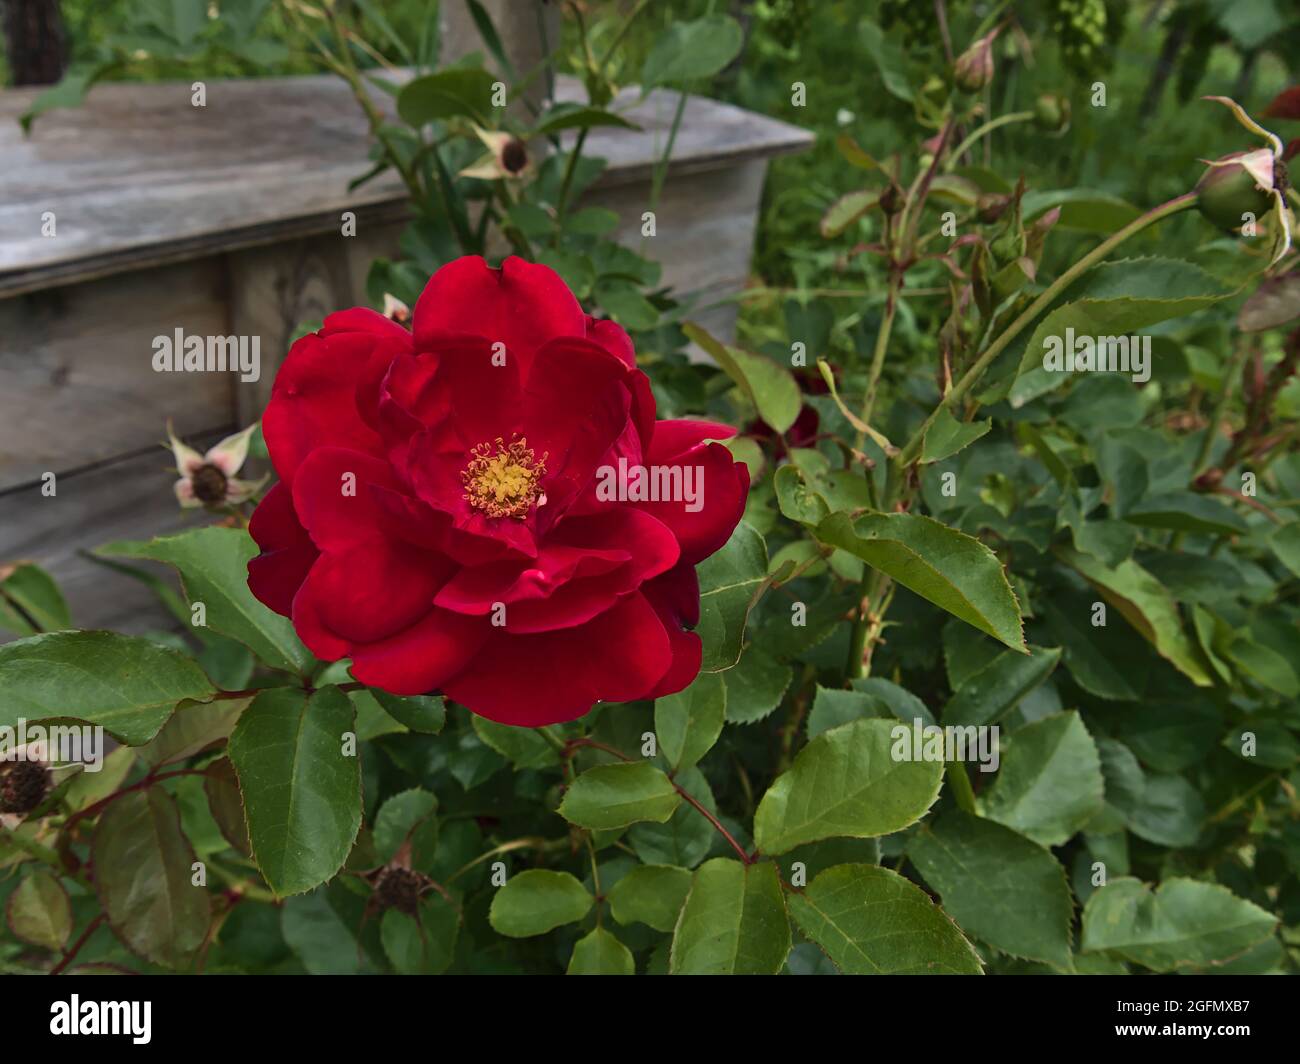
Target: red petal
[[675, 597], [521, 305], [314, 401], [532, 680], [372, 591], [724, 484], [276, 574], [334, 498]]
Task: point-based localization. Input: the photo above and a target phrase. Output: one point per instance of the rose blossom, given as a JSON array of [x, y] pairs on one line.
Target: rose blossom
[[436, 518]]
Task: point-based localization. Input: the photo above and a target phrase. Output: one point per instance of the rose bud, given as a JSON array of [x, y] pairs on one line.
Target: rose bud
[[974, 67], [489, 544], [1247, 183], [1052, 113]]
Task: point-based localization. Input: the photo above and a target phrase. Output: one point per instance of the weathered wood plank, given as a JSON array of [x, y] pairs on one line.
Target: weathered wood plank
[[138, 176], [76, 379], [127, 499]]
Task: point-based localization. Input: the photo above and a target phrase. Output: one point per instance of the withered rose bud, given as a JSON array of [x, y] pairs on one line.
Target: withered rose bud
[[974, 67], [400, 888], [1052, 113], [23, 787], [891, 200]]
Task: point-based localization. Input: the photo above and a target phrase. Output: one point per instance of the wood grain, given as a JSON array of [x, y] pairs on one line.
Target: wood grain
[[137, 176]]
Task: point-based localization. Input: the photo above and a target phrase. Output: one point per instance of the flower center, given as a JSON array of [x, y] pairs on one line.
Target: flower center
[[514, 157], [209, 484], [504, 479]]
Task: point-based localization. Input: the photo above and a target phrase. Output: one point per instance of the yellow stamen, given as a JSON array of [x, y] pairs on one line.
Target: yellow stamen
[[504, 480]]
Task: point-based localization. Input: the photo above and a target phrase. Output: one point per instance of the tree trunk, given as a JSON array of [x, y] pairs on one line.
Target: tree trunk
[[35, 43]]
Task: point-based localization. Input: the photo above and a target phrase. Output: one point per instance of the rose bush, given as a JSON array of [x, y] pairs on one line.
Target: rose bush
[[437, 518]]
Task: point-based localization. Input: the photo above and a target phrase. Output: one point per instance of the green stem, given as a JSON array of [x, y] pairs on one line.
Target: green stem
[[661, 167], [882, 346], [987, 128], [1031, 313], [569, 168]]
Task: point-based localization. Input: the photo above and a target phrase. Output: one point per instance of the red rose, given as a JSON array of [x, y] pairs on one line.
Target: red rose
[[444, 514]]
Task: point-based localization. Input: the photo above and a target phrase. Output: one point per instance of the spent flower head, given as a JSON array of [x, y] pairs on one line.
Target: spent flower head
[[209, 479]]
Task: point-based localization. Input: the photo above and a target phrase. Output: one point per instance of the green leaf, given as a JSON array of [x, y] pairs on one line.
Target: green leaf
[[755, 687], [889, 60], [688, 723], [397, 818], [997, 885], [1050, 783], [420, 713], [846, 210], [1095, 655], [1186, 511], [213, 563], [947, 436], [949, 568], [302, 792], [1116, 299], [524, 747], [315, 927], [125, 684], [576, 116], [144, 878], [1285, 541], [650, 894], [31, 602], [537, 901], [39, 911], [733, 921], [833, 707], [600, 953], [1183, 923], [193, 728], [460, 91], [1147, 606], [687, 51], [1168, 812], [613, 796], [771, 387], [685, 838], [1081, 208], [871, 921], [730, 582], [425, 946], [845, 782]]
